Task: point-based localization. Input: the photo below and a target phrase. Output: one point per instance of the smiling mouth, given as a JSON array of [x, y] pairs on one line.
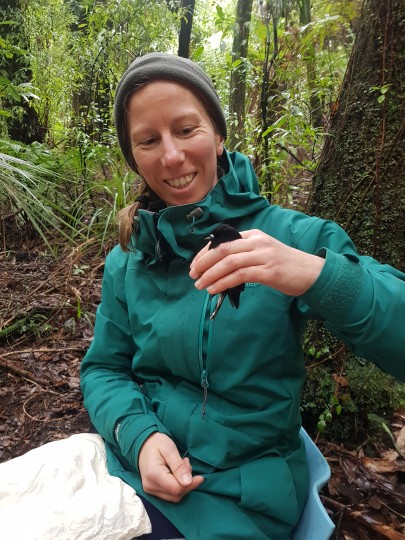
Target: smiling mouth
[[181, 181]]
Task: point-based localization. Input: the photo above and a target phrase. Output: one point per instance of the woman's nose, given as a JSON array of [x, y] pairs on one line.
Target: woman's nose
[[172, 154]]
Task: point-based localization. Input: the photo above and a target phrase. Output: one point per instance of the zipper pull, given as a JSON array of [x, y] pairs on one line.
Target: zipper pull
[[205, 385]]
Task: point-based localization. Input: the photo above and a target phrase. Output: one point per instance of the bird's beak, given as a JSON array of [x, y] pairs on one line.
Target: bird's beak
[[209, 238]]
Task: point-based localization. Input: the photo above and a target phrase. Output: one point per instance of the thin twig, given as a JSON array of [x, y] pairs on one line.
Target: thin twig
[[42, 350], [294, 157], [394, 442], [327, 358]]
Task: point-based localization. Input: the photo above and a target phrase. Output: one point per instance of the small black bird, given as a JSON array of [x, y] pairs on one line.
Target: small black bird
[[225, 233]]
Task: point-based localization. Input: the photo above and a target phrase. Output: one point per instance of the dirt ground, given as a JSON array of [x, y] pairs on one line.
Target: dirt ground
[[47, 312]]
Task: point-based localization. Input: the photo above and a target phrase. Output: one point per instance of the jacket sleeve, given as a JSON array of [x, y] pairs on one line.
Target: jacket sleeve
[[115, 402], [361, 301]]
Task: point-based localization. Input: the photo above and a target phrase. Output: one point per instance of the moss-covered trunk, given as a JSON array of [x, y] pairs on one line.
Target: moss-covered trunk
[[360, 181]]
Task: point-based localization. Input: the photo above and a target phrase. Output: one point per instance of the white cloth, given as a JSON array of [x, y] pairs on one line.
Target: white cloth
[[63, 491]]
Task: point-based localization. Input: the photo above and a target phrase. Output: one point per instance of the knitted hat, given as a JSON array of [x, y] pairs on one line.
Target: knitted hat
[[158, 66]]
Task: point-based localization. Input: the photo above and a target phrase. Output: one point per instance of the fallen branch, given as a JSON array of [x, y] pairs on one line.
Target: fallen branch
[[23, 373], [42, 350], [383, 530]]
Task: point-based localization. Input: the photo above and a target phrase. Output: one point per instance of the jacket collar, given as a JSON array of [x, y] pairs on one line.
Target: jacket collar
[[179, 231]]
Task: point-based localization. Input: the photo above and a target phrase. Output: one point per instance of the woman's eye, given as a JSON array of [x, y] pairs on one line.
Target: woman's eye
[[186, 130], [148, 142]]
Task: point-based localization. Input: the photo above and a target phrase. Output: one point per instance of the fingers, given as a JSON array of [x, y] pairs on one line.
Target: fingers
[[201, 253], [180, 468], [259, 258], [206, 258], [206, 249], [163, 484], [164, 473], [228, 265], [229, 272]]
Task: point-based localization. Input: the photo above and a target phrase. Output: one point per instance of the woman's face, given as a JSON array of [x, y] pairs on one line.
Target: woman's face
[[174, 143]]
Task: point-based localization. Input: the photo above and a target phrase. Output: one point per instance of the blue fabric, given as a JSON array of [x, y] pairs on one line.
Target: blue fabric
[[314, 523], [161, 526]]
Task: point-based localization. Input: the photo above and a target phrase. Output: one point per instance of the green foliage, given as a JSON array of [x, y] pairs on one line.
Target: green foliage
[[327, 415], [13, 88], [32, 324], [79, 49], [100, 186], [17, 93], [112, 194], [285, 149], [30, 192], [80, 204], [338, 399], [382, 91], [305, 78]]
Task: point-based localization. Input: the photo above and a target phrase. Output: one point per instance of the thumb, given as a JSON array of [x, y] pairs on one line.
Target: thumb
[[181, 469]]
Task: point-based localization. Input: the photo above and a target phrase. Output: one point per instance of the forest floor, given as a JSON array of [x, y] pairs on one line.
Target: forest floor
[[46, 324]]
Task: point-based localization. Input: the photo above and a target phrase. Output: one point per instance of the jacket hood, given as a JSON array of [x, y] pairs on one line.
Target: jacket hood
[[179, 231]]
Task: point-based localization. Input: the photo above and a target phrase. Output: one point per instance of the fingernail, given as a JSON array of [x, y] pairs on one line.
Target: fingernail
[[186, 479]]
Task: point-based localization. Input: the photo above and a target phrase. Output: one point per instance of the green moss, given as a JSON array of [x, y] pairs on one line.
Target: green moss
[[350, 395]]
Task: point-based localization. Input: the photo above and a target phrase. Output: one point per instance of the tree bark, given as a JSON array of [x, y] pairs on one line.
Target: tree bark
[[238, 75], [360, 180]]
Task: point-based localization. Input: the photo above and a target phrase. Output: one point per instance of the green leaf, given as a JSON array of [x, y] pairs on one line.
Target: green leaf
[[198, 52], [12, 92], [220, 12], [321, 425]]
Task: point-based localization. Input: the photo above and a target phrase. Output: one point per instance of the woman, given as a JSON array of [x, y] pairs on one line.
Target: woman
[[202, 416]]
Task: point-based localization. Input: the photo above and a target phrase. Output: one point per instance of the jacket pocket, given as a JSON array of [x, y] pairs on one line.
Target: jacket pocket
[[221, 446], [267, 487]]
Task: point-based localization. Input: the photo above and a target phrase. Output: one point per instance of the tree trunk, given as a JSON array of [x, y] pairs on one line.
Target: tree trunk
[[238, 74], [360, 180], [310, 63], [185, 28]]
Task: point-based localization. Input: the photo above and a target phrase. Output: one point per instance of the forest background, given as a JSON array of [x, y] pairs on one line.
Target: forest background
[[299, 80]]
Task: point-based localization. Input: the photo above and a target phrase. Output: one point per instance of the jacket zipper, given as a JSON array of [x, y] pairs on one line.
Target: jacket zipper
[[202, 358]]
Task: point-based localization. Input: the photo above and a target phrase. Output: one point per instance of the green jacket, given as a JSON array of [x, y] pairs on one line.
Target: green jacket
[[155, 349]]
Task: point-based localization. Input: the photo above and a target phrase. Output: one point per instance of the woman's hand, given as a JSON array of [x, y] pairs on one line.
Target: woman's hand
[[256, 258], [164, 472]]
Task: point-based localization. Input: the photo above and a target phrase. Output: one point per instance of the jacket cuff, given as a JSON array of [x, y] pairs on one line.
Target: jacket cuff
[[131, 434], [337, 287]]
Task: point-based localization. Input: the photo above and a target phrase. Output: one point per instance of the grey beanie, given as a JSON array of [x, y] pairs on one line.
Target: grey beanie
[[160, 66]]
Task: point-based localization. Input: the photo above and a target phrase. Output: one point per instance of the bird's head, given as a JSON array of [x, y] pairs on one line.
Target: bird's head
[[222, 233]]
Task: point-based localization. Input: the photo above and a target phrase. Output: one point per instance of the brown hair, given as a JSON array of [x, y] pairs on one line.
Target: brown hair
[[126, 217]]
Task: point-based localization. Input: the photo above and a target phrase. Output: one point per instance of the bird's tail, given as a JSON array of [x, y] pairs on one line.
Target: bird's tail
[[219, 304]]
